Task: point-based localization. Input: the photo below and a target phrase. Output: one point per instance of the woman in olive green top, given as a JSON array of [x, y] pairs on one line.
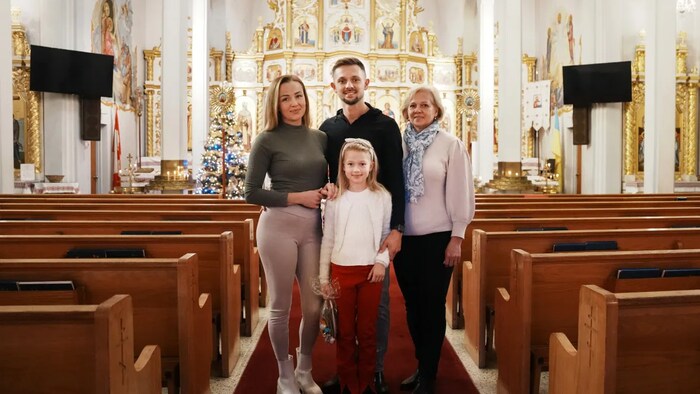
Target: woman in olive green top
[[289, 231]]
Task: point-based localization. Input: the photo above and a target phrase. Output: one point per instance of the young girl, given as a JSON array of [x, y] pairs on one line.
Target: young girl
[[356, 223]]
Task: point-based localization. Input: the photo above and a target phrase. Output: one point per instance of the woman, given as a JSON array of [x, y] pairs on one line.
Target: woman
[[439, 206], [289, 231]]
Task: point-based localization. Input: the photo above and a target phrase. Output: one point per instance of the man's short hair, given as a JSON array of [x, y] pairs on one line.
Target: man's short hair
[[348, 61]]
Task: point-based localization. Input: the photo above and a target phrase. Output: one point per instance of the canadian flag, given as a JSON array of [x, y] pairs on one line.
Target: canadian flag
[[117, 150]]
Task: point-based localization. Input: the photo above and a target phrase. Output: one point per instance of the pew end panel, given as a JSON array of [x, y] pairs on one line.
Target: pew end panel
[[76, 349], [474, 303], [513, 328], [642, 342], [563, 365]]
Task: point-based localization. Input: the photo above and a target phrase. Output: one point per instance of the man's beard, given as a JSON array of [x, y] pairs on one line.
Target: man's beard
[[352, 101]]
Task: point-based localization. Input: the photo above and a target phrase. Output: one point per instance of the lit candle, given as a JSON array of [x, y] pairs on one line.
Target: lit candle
[[509, 173], [168, 178]]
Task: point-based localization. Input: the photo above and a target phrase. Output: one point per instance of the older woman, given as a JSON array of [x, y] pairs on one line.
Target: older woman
[[289, 231], [439, 206]]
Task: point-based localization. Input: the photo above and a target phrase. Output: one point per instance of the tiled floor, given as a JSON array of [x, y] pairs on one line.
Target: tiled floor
[[484, 379]]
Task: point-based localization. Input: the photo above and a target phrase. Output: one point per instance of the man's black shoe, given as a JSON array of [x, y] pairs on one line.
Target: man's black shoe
[[410, 382], [380, 385], [367, 390], [425, 386], [332, 386]]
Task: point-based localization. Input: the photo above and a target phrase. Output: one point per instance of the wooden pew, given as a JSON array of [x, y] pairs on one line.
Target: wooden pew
[[133, 206], [490, 266], [586, 212], [542, 298], [455, 317], [75, 349], [245, 253], [216, 274], [555, 197], [168, 309], [635, 343], [577, 204]]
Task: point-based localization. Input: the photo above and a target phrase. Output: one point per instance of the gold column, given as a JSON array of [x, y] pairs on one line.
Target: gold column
[[459, 117], [288, 17], [373, 98], [259, 110], [403, 58], [319, 107], [690, 151], [404, 24], [149, 121], [431, 69], [259, 63], [373, 26], [229, 58], [288, 62], [216, 57], [319, 30], [527, 141], [320, 56], [373, 67], [469, 61], [459, 62]]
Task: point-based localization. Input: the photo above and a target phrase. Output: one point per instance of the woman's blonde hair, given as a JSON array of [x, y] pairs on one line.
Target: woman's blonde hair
[[358, 145], [273, 118], [437, 101]]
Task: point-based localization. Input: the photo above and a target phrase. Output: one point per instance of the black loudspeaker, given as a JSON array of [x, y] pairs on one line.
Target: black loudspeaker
[[90, 119], [582, 125]]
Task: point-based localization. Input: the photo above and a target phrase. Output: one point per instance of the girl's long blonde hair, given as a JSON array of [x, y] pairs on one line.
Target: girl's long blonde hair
[[358, 145], [272, 116]]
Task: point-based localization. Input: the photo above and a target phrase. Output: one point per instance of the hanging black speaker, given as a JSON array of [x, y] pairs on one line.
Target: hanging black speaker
[[90, 119]]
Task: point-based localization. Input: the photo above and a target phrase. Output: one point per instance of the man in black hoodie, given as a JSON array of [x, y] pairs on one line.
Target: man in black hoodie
[[358, 119]]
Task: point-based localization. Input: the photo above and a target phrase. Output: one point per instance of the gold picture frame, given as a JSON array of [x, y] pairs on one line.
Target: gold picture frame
[[26, 104], [685, 124]]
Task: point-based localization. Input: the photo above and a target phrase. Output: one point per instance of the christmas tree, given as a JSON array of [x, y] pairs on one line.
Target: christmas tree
[[223, 151]]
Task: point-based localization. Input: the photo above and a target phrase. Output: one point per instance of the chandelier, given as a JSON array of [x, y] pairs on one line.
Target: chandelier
[[683, 6]]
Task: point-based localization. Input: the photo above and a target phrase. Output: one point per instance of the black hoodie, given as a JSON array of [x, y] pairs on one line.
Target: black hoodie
[[384, 135]]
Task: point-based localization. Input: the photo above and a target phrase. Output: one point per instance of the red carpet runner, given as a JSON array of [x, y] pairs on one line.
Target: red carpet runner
[[260, 375]]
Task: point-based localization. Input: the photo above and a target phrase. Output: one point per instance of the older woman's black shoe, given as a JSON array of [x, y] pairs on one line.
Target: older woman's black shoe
[[410, 382], [332, 386], [380, 385]]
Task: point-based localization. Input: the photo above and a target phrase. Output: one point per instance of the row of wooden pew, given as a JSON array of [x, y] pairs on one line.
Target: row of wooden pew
[[516, 294], [502, 312], [197, 291]]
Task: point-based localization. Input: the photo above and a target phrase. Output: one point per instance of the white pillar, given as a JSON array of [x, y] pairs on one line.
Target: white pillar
[[174, 80], [6, 132], [200, 81], [660, 97], [61, 115], [601, 170], [483, 155], [510, 82]]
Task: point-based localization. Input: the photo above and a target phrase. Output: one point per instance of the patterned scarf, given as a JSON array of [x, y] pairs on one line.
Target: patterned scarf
[[416, 144]]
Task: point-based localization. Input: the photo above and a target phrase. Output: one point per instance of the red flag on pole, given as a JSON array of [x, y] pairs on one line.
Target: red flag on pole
[[117, 150]]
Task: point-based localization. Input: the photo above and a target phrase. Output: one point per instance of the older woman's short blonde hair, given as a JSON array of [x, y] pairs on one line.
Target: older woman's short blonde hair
[[271, 111], [437, 101]]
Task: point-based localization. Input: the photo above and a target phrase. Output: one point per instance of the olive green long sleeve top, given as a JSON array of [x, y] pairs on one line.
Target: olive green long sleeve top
[[294, 158]]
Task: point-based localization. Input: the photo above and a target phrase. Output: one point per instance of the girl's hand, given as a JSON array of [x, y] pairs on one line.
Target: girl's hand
[[309, 198], [377, 273], [326, 290], [453, 252]]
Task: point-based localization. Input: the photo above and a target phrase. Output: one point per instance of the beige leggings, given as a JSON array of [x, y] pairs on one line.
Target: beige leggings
[[289, 243]]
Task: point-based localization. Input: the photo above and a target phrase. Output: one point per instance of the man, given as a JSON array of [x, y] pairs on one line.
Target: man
[[358, 119]]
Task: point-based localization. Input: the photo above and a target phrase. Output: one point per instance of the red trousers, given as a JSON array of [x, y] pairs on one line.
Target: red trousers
[[357, 318]]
